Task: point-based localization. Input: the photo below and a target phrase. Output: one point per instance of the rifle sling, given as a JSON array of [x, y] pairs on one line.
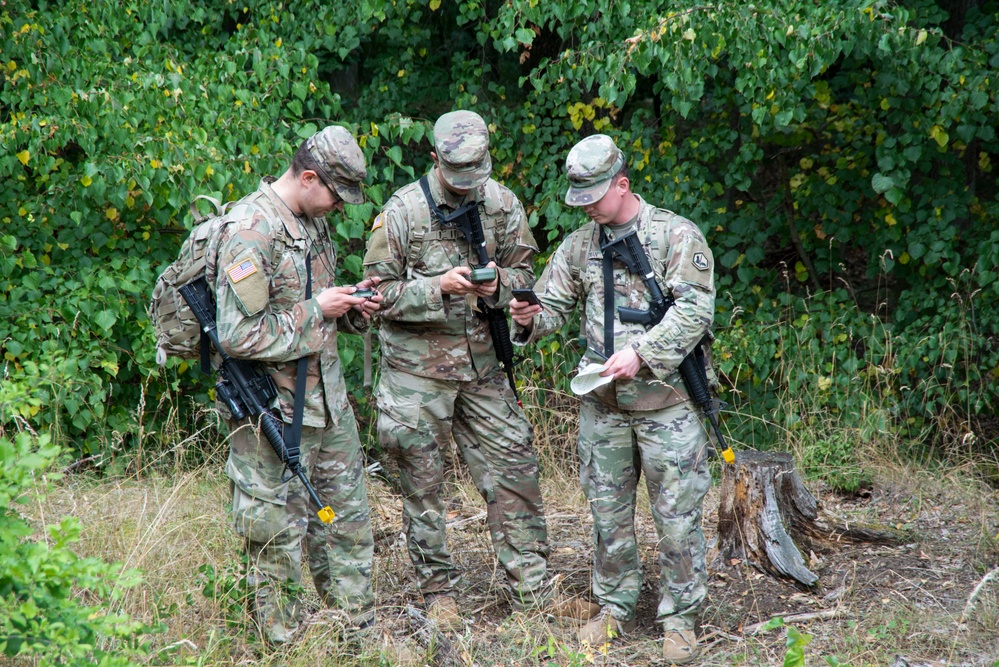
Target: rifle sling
[[293, 440], [610, 313], [445, 220], [425, 186]]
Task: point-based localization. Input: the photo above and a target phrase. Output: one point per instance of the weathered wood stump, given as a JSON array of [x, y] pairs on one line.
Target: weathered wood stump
[[765, 509]]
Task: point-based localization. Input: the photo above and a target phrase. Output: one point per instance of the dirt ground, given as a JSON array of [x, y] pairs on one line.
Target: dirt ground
[[933, 600]]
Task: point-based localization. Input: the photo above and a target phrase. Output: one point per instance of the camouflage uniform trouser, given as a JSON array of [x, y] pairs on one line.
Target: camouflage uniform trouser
[[495, 439], [670, 447], [273, 517]]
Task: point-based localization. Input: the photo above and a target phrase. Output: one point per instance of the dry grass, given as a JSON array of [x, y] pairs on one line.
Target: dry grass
[[935, 601], [169, 527]]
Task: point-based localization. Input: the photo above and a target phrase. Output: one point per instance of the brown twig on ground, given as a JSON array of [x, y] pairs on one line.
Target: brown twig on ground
[[76, 464], [825, 615]]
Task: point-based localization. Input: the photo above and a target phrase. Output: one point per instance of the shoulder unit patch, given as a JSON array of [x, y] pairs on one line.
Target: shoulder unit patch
[[700, 262]]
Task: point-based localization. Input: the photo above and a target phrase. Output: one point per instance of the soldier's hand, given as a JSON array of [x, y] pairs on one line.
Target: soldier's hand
[[456, 282], [523, 312], [373, 302], [623, 365], [488, 289], [336, 301]]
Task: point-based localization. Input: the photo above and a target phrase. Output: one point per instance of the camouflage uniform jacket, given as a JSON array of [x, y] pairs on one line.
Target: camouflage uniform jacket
[[263, 314], [422, 330], [683, 265]]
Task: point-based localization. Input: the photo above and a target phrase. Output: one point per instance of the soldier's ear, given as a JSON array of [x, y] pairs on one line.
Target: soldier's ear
[[308, 178], [433, 155]]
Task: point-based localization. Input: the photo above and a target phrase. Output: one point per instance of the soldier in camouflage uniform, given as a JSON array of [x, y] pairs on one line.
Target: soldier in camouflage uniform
[[264, 315], [439, 368], [643, 421]]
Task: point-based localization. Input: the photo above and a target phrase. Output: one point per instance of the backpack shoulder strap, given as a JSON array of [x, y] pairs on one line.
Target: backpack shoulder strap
[[419, 223], [657, 238], [223, 219], [579, 248]]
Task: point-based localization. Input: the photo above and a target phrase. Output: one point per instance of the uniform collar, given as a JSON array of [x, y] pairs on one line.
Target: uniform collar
[[617, 231], [445, 197], [292, 223]]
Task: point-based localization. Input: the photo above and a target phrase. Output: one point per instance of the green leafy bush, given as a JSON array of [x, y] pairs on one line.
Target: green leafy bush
[[833, 383], [823, 147], [55, 606], [103, 152]]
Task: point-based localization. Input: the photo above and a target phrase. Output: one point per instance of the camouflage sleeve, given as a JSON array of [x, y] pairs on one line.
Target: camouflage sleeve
[[514, 253], [689, 276], [248, 327], [559, 294], [418, 299]]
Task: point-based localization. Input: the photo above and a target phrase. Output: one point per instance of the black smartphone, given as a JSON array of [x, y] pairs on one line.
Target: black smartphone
[[526, 295]]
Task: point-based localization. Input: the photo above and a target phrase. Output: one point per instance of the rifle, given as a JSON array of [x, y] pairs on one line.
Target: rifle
[[629, 249], [247, 390], [467, 220]]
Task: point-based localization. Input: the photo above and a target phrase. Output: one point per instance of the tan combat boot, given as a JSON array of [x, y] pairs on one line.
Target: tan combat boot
[[603, 627], [680, 646], [443, 612]]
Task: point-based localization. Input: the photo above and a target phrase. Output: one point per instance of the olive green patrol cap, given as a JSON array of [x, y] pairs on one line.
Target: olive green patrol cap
[[590, 165], [340, 161], [461, 141]]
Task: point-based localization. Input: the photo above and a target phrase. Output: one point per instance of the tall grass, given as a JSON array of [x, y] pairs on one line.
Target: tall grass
[[815, 377]]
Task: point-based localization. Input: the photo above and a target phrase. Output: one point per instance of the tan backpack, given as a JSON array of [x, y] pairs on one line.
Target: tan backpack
[[178, 333]]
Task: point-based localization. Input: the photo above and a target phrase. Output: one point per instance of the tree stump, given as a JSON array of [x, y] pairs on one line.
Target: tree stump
[[765, 508]]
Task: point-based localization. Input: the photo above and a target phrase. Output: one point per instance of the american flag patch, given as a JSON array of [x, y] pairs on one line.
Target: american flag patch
[[239, 271]]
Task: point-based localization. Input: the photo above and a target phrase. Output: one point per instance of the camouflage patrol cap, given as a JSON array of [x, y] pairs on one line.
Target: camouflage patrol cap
[[340, 161], [590, 165], [461, 140]]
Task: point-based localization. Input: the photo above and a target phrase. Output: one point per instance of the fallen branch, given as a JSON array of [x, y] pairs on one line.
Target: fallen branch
[[718, 632], [489, 605], [76, 464], [826, 615], [458, 523]]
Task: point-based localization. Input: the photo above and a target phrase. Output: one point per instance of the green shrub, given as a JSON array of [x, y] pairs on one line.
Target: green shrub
[[817, 144], [56, 607]]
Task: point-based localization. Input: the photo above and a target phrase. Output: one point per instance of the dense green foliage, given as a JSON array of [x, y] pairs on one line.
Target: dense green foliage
[[839, 155], [41, 580]]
